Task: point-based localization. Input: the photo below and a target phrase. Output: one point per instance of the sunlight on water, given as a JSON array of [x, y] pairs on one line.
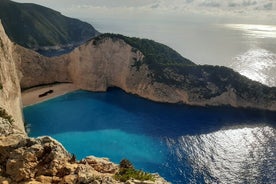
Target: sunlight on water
[[258, 65], [253, 30], [234, 155]]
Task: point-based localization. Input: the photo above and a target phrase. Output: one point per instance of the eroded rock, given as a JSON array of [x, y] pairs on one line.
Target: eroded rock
[[44, 160]]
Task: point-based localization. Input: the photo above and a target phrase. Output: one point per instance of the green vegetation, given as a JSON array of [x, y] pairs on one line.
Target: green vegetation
[[35, 26], [1, 86], [4, 115], [127, 172], [208, 81], [156, 54], [1, 43], [137, 64]]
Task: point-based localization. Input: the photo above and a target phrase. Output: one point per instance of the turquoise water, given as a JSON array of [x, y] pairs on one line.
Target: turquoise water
[[182, 143]]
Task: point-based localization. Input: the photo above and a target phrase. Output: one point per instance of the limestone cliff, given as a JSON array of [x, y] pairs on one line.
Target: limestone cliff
[[10, 93], [96, 68], [109, 61], [35, 69]]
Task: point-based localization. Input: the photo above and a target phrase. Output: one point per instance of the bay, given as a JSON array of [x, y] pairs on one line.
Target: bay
[[184, 144]]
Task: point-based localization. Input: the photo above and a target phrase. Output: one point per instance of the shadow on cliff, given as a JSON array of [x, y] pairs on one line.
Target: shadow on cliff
[[86, 111]]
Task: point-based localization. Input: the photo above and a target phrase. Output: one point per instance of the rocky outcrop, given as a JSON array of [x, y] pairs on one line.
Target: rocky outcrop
[[44, 160]]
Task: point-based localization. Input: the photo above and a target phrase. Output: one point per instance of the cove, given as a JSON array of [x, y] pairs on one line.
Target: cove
[[182, 143]]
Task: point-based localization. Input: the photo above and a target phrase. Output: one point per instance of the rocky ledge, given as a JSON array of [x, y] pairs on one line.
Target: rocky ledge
[[44, 160]]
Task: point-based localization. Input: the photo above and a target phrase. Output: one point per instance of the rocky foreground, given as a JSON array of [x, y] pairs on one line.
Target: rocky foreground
[[44, 160]]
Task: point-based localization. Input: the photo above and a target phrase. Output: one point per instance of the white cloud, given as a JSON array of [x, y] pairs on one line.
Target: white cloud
[[82, 8], [232, 6]]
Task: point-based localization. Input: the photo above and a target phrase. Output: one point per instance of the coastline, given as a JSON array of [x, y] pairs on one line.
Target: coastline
[[31, 96]]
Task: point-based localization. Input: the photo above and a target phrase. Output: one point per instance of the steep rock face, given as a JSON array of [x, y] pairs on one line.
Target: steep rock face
[[108, 62], [35, 69], [10, 93], [98, 66]]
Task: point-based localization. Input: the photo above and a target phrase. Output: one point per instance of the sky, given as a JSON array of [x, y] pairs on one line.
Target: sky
[[252, 10]]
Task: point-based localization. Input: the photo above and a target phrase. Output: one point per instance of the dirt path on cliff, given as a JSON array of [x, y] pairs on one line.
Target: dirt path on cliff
[[43, 93]]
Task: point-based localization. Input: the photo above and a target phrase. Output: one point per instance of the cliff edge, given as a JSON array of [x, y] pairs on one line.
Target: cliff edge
[[10, 93]]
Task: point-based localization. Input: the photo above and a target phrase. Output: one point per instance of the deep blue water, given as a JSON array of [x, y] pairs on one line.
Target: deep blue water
[[182, 143]]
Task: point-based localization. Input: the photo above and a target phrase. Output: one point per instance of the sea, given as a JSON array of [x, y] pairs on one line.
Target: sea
[[184, 144]]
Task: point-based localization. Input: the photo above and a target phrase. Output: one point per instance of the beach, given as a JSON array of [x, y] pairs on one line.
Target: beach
[[34, 95]]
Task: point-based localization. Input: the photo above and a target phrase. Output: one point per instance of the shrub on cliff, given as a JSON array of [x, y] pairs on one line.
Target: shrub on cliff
[[155, 53], [5, 115], [127, 172], [1, 86], [126, 164]]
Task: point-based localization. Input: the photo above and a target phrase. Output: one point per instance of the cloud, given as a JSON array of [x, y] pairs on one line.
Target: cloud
[[249, 3], [268, 6], [210, 4]]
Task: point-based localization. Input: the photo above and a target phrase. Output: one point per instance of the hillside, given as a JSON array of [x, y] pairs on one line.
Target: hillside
[[35, 26]]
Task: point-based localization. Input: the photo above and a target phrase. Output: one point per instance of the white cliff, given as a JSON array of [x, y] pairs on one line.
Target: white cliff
[[10, 93]]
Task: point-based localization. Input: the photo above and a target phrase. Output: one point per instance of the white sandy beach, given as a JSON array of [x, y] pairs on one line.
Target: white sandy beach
[[31, 96]]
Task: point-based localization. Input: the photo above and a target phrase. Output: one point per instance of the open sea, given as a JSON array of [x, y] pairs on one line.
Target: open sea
[[184, 144]]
